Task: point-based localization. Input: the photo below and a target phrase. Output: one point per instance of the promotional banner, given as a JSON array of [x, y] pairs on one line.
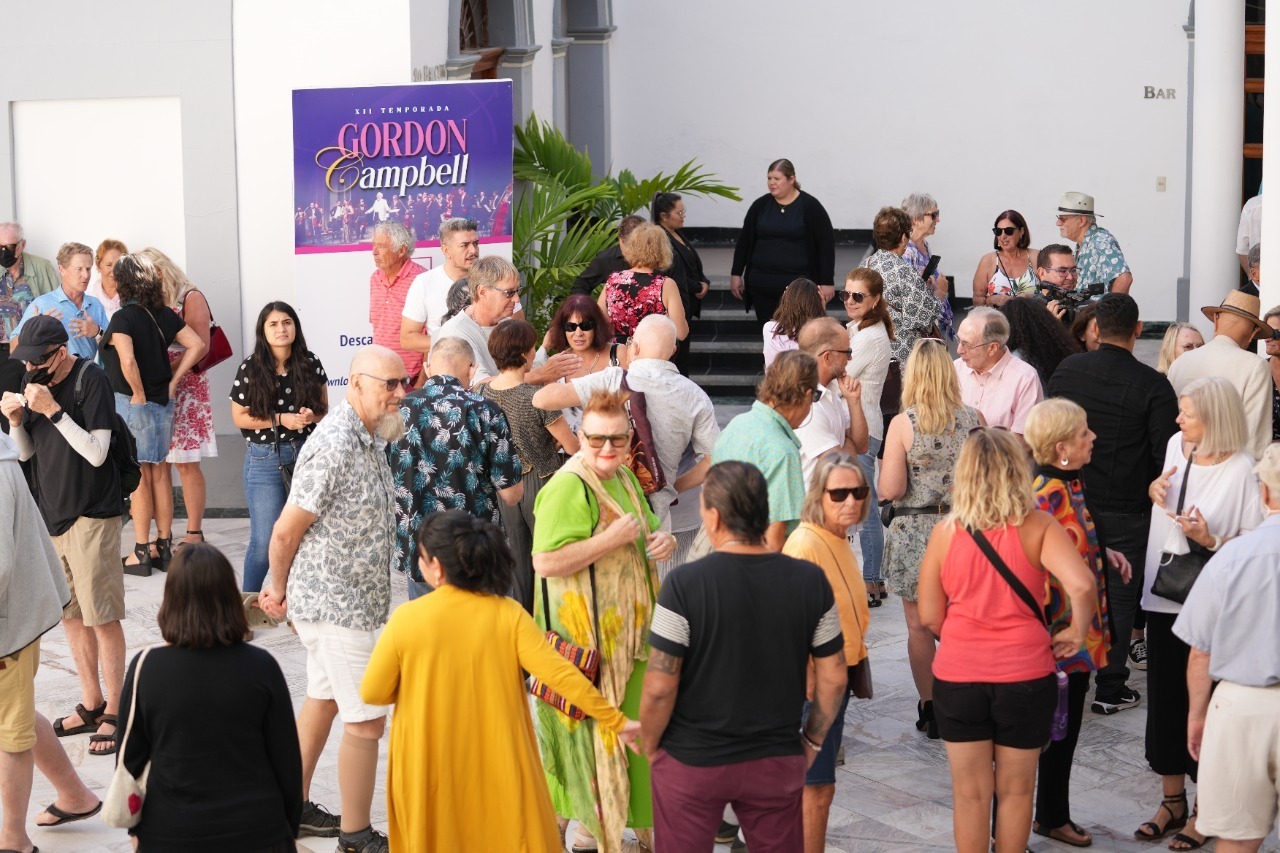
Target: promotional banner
[[418, 154]]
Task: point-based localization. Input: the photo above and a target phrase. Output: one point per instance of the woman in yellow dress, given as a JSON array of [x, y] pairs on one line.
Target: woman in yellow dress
[[463, 771], [596, 585]]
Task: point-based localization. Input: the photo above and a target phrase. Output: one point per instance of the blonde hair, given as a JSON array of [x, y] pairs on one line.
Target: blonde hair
[[992, 485], [1049, 422], [1220, 409], [489, 271], [811, 510], [108, 245], [1169, 346], [929, 385], [69, 250], [173, 281], [648, 246]]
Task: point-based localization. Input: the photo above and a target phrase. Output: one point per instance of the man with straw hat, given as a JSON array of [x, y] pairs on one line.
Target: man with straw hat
[[1235, 327], [1098, 255]]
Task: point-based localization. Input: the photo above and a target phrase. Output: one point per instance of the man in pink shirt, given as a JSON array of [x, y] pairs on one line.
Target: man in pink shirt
[[389, 286], [992, 380]]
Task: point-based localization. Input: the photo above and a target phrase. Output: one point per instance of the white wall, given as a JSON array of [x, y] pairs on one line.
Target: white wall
[[987, 104], [543, 68], [279, 46], [141, 203]]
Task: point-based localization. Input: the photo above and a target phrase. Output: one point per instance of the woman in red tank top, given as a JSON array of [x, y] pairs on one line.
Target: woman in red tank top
[[994, 685]]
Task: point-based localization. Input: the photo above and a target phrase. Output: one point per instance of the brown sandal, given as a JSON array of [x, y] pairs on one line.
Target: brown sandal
[[89, 721]]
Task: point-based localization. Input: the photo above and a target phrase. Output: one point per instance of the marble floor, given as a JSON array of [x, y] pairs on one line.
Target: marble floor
[[892, 794]]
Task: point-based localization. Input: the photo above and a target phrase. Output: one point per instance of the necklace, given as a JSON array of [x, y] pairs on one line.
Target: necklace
[[741, 542]]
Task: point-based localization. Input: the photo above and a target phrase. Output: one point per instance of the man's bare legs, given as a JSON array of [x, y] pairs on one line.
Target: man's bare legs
[[16, 776], [84, 651]]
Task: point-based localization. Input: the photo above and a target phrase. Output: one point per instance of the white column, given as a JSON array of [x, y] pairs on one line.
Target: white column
[[1217, 135], [1270, 284]]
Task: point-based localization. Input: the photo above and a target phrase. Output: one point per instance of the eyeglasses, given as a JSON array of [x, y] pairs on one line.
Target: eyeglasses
[[1066, 272], [510, 294], [962, 346], [845, 352], [617, 439], [585, 325], [841, 495], [1008, 232], [935, 215], [1061, 218], [854, 296], [13, 246], [390, 384]]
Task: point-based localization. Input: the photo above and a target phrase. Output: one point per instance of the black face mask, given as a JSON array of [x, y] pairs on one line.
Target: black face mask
[[8, 255], [42, 375]]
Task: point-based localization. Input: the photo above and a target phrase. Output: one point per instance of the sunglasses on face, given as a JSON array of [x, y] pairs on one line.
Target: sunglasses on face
[[934, 216], [617, 440], [1008, 232], [390, 384], [848, 353], [585, 325], [841, 495], [854, 296], [45, 358], [510, 294]]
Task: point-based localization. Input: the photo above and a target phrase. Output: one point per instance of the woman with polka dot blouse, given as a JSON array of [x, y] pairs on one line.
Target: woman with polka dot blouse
[[280, 393]]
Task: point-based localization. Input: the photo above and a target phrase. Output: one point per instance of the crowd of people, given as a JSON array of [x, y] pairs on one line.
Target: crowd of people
[[1045, 505]]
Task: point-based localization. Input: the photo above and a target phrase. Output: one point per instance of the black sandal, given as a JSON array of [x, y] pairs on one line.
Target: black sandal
[[142, 568], [184, 543], [89, 721], [1156, 832], [112, 738], [873, 600], [164, 552], [67, 817], [1187, 842]]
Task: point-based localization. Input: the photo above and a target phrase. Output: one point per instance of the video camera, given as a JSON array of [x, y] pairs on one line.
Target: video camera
[[1071, 299]]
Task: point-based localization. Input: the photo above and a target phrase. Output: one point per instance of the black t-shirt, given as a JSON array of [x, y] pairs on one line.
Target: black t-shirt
[[745, 625], [67, 487], [286, 401], [781, 240], [145, 328]]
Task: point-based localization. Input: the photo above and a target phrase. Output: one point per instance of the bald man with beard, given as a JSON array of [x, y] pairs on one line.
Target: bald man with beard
[[330, 554]]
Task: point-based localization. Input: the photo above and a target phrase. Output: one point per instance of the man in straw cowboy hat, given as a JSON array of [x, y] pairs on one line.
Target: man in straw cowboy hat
[[1098, 255], [1235, 326]]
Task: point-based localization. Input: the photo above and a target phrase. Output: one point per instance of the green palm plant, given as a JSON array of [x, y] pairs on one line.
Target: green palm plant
[[564, 217]]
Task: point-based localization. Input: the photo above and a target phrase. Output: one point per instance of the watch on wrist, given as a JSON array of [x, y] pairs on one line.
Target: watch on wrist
[[57, 416]]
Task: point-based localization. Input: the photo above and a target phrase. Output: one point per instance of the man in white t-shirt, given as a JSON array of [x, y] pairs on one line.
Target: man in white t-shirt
[[836, 421], [425, 304]]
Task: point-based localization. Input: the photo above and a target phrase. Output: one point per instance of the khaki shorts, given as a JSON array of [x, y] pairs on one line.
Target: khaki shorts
[[18, 699], [336, 660], [1238, 788], [90, 553]]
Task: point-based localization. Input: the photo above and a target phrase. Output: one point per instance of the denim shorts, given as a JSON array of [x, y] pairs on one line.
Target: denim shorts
[[151, 425], [823, 770]]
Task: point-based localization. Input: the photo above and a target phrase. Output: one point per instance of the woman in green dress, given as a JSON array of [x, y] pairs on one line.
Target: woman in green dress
[[597, 578]]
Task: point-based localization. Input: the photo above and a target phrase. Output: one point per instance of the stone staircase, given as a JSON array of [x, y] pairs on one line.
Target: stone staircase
[[725, 357]]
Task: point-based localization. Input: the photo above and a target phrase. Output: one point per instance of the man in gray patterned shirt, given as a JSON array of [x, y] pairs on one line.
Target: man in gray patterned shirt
[[331, 554]]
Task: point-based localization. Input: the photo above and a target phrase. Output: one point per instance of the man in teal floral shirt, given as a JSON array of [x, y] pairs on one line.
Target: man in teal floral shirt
[[1098, 254], [457, 453]]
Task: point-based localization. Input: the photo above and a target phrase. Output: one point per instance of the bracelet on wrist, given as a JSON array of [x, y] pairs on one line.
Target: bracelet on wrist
[[816, 747]]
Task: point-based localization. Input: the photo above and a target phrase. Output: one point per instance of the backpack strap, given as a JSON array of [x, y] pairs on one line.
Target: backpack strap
[[79, 386]]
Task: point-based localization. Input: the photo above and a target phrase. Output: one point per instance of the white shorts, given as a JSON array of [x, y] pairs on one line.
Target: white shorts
[[336, 661], [1238, 787]]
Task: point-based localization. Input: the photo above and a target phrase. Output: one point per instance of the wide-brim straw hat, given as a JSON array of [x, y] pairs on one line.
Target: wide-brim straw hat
[[1076, 204], [1241, 304]]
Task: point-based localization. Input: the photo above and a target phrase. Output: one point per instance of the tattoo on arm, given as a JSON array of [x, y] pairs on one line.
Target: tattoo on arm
[[661, 662]]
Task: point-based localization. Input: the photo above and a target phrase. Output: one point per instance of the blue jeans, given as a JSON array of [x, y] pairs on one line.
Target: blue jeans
[[871, 533], [264, 490], [151, 425], [417, 589]]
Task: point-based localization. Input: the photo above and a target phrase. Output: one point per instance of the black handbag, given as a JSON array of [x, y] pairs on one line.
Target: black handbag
[[1177, 573]]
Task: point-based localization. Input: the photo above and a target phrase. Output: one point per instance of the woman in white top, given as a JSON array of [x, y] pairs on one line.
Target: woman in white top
[[1220, 503], [103, 287], [1010, 270], [800, 303], [870, 330]]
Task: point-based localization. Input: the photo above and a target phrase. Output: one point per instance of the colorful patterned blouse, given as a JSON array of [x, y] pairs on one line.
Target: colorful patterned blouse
[[1061, 494], [1099, 258], [631, 296], [918, 257]]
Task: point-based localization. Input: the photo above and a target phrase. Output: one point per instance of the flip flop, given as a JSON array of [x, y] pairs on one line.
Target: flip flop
[[67, 817], [89, 722]]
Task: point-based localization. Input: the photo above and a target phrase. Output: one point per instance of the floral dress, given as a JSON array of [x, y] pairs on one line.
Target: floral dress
[[931, 463], [918, 257], [631, 296], [193, 436]]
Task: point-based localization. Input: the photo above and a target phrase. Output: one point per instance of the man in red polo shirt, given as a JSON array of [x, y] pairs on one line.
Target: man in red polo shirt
[[389, 285]]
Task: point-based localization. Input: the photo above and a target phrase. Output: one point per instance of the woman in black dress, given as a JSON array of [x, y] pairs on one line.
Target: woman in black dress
[[668, 210], [786, 235]]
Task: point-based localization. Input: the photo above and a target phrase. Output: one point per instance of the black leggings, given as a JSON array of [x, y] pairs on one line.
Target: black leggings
[[1053, 795]]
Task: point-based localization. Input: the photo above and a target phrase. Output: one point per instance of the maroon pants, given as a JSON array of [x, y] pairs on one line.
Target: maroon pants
[[688, 803]]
